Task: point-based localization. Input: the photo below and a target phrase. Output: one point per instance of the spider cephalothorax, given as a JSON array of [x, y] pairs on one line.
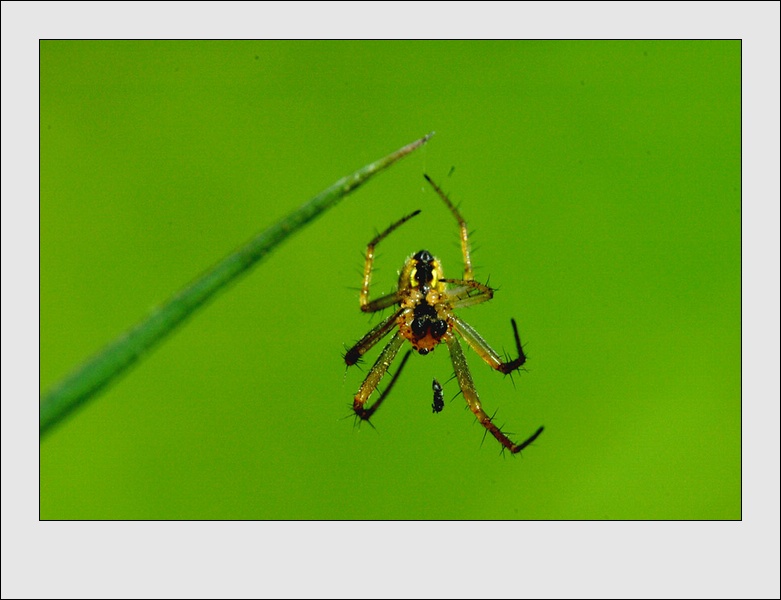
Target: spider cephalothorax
[[425, 317]]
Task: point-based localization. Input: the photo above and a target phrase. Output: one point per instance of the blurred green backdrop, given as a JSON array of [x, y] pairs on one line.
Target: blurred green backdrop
[[601, 179]]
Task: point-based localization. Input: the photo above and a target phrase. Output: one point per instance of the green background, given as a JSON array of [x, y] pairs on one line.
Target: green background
[[602, 183]]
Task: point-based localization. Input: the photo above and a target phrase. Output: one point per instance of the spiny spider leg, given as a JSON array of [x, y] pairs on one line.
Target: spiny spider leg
[[376, 373], [363, 345], [485, 351], [468, 274], [390, 299], [473, 400], [382, 302], [533, 437], [368, 412], [468, 293]]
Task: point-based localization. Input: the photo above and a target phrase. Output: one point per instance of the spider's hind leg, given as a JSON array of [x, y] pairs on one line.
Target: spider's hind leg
[[473, 400], [374, 376], [488, 354]]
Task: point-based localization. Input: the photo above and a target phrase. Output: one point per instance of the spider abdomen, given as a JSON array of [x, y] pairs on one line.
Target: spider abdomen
[[423, 326]]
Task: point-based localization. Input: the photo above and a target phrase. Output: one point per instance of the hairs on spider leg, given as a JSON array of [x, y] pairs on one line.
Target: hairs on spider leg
[[358, 361], [451, 378], [356, 419], [491, 420]]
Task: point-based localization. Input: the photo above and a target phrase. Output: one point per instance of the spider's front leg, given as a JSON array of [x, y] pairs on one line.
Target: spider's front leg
[[463, 231], [392, 298], [467, 386]]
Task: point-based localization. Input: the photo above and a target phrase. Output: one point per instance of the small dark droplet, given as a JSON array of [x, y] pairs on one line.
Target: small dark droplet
[[439, 397]]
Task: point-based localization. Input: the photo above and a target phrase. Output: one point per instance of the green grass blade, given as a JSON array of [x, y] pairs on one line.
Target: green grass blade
[[99, 371]]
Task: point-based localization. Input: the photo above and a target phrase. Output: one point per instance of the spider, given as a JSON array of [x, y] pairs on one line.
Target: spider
[[425, 316]]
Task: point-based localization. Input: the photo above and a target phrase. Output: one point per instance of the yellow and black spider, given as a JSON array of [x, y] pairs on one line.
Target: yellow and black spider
[[425, 317]]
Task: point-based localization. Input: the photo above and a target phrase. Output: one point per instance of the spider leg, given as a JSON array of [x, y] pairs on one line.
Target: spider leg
[[369, 412], [485, 351], [467, 292], [368, 341], [468, 274], [390, 299], [473, 400], [375, 375], [382, 302]]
